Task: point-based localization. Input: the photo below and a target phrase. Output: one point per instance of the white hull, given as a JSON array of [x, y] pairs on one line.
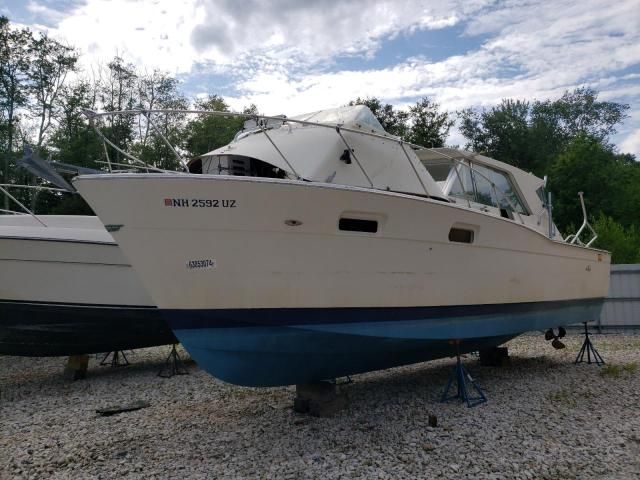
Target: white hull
[[261, 262]]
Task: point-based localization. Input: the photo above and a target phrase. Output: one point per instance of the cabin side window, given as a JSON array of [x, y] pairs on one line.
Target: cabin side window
[[483, 185], [241, 166], [461, 182], [506, 193]]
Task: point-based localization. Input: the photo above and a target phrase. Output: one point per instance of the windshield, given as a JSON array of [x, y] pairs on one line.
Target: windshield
[[357, 116]]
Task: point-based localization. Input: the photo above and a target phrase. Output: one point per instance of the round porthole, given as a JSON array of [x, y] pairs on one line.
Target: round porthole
[[293, 223]]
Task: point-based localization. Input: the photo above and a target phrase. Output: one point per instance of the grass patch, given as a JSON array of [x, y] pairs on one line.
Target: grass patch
[[616, 371], [564, 397]]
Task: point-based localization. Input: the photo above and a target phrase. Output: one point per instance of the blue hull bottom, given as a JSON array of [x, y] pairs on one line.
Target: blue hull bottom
[[271, 347]]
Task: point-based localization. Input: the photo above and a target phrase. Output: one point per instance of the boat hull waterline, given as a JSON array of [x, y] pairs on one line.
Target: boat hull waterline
[[270, 291]]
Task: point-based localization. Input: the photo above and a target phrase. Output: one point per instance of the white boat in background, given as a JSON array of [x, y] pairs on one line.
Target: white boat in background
[[320, 246], [66, 289]]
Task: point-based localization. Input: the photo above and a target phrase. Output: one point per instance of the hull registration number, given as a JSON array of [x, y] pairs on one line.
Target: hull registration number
[[199, 203]]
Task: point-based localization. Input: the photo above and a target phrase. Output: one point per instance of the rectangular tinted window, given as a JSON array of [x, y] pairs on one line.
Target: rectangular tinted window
[[461, 235], [358, 225]]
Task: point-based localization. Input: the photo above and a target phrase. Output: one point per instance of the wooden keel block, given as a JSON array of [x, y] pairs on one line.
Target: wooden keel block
[[76, 368], [321, 399]]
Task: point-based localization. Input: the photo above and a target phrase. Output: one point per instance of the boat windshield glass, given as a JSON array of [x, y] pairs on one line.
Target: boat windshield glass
[[357, 116], [462, 184]]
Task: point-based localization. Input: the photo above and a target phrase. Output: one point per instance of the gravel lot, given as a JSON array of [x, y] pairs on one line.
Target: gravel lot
[[545, 419]]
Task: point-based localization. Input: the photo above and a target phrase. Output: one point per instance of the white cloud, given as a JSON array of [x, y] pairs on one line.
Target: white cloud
[[149, 33], [312, 31], [631, 144], [534, 50], [177, 35], [282, 52], [44, 11]]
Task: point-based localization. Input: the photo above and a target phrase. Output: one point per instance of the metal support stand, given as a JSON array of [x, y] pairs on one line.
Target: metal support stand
[[462, 379], [173, 365], [589, 349], [118, 359]]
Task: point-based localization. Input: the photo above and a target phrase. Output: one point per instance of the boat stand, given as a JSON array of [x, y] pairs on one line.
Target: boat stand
[[589, 349], [173, 365], [118, 359], [320, 399], [464, 382]]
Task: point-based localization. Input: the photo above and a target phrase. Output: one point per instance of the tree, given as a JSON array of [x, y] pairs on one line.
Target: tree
[[14, 67], [623, 243], [50, 63], [502, 132], [73, 140], [609, 182], [423, 124], [118, 93], [580, 112], [207, 132], [429, 126], [159, 91], [531, 135]]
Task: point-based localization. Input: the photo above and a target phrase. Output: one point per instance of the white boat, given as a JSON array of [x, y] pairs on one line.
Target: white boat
[[67, 289], [359, 253]]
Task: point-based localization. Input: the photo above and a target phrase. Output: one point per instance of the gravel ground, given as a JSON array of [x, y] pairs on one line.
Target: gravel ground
[[545, 419]]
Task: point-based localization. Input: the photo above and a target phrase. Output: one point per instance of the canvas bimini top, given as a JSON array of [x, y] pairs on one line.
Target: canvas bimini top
[[345, 145]]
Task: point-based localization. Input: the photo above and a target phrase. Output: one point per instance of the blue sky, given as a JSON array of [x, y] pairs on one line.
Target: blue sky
[[292, 56]]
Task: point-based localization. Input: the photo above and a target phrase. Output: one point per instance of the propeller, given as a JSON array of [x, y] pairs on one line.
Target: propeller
[[551, 335]]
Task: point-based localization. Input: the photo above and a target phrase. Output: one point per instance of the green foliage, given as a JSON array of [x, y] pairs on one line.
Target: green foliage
[[502, 132], [616, 371], [424, 123], [567, 138], [429, 126], [14, 69], [564, 397], [610, 183], [50, 63], [623, 243], [74, 141], [208, 132], [530, 135]]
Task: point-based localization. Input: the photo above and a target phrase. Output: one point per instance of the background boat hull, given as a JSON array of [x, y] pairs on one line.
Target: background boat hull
[[38, 329], [67, 289]]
